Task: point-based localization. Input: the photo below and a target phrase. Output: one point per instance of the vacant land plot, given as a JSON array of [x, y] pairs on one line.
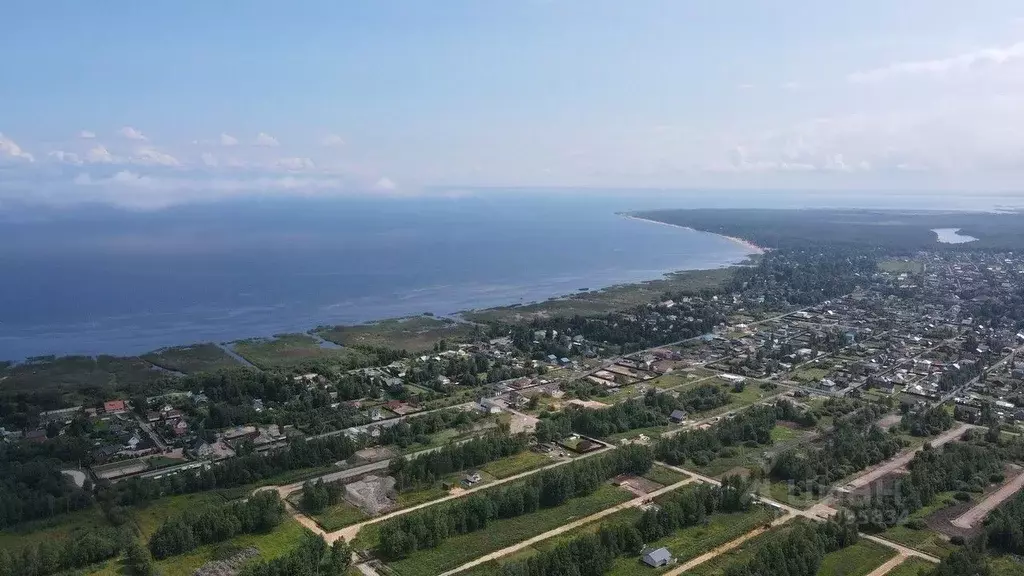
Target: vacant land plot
[[499, 534], [290, 349], [1006, 566], [191, 359], [277, 543], [150, 516], [742, 553], [53, 529], [516, 464], [912, 567], [414, 334], [693, 541], [993, 500], [857, 560], [607, 300], [339, 516], [901, 266], [664, 476]]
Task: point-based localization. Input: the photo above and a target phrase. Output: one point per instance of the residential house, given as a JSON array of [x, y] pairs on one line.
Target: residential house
[[656, 558], [677, 416], [114, 407]]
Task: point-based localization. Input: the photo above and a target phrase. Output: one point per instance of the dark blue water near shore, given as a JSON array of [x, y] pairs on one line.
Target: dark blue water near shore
[[108, 282], [98, 280]]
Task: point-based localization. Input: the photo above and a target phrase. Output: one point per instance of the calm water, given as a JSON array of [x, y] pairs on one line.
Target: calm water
[[97, 280], [952, 236]]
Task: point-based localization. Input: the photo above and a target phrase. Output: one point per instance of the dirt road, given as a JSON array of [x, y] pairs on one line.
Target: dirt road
[[978, 513], [350, 532], [903, 459], [690, 564], [566, 528], [888, 566]]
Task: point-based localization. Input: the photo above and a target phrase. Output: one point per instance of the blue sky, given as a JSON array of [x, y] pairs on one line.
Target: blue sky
[[154, 103]]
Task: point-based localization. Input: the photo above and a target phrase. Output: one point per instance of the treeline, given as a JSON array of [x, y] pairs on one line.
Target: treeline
[[231, 473], [312, 557], [958, 466], [752, 427], [853, 444], [35, 489], [428, 468], [926, 421], [260, 513], [51, 556], [799, 551], [316, 496], [1004, 527], [594, 554], [652, 410], [418, 428], [432, 526]]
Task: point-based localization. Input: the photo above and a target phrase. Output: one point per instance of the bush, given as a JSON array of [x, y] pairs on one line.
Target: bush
[[962, 496], [916, 524], [958, 540], [996, 478]]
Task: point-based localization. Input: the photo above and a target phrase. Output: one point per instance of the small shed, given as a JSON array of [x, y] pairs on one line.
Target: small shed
[[677, 416], [656, 557]]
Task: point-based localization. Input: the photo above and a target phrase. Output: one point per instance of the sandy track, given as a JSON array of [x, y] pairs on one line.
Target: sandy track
[[888, 566], [978, 513], [903, 459]]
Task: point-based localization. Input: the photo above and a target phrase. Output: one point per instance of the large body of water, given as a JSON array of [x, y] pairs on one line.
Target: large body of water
[[104, 281]]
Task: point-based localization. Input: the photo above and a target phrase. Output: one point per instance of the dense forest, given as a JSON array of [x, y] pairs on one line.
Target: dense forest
[[429, 527], [1004, 527], [259, 513], [80, 549], [36, 489], [593, 553], [926, 421]]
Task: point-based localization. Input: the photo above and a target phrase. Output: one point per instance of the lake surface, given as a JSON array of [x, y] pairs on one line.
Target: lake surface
[[952, 236], [98, 280], [129, 283]]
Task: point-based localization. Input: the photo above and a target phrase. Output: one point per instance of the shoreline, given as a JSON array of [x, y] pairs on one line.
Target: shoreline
[[458, 315], [745, 243]]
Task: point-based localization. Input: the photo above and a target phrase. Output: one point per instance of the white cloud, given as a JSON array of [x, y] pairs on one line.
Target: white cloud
[[100, 155], [152, 157], [86, 135], [228, 140], [791, 85], [132, 133], [332, 140], [264, 139], [10, 149], [295, 164], [941, 66], [65, 157], [209, 160], [385, 184]]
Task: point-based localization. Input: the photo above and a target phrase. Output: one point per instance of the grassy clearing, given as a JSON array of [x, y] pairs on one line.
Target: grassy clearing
[[516, 464], [693, 541], [414, 334], [272, 545], [289, 349], [856, 560], [783, 434], [500, 534], [149, 517], [809, 374], [925, 540], [901, 266], [339, 516], [663, 475], [1006, 566], [72, 373], [912, 567], [191, 359], [599, 302], [59, 528], [780, 492]]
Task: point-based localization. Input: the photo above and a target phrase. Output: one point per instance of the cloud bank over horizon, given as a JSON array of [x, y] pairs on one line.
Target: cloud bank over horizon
[[347, 100]]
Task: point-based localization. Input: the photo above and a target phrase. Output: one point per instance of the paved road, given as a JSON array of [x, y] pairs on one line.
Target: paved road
[[568, 527]]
